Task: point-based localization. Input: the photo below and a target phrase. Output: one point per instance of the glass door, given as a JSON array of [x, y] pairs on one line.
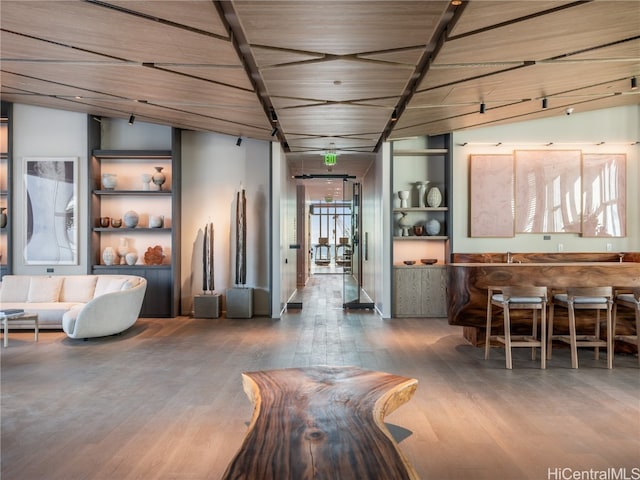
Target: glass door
[[351, 275]]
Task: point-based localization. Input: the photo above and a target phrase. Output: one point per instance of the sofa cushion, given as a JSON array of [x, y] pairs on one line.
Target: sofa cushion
[[130, 283], [48, 313], [108, 284], [44, 289], [14, 288], [78, 288]]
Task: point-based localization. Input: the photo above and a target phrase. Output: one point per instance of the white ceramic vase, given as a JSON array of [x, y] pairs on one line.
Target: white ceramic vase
[[131, 258], [109, 256], [404, 198], [130, 219], [145, 178], [123, 249], [159, 178], [109, 181], [422, 189], [404, 224], [434, 197]]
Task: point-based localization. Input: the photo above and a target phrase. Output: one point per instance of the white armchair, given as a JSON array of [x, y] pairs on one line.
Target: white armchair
[[106, 314]]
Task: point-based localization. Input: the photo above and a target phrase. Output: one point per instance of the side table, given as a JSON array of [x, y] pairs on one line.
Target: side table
[[18, 316]]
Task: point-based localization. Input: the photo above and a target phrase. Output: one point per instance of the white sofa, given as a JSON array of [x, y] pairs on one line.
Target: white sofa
[[83, 306]]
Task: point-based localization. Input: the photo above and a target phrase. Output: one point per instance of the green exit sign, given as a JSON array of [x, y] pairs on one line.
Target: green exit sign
[[330, 158]]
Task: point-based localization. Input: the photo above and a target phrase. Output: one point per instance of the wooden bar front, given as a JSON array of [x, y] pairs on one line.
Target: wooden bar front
[[467, 285]]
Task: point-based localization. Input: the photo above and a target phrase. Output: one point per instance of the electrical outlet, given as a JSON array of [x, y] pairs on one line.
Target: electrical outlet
[[560, 247], [609, 247]]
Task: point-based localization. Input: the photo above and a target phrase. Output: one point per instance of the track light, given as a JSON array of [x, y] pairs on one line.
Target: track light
[[634, 83], [545, 103], [394, 115], [239, 141], [132, 119], [483, 107], [274, 132], [274, 117]]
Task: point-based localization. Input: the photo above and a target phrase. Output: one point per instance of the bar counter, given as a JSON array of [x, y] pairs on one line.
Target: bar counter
[[467, 285]]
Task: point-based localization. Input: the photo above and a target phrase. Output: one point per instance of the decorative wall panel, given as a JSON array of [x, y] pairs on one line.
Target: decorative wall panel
[[491, 196]]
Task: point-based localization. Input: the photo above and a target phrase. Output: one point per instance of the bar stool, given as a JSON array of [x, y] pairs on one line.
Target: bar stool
[[629, 300], [518, 298], [583, 298]]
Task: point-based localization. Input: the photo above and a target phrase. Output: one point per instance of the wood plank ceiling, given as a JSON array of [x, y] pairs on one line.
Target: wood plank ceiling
[[325, 73]]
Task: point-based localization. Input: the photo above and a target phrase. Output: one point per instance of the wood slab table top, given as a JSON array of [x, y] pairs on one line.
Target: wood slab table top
[[322, 423]]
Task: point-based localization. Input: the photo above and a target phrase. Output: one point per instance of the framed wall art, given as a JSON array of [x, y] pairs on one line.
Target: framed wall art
[[604, 195], [491, 196], [51, 236]]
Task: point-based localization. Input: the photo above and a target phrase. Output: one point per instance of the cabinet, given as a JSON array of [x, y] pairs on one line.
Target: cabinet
[[419, 291], [158, 211]]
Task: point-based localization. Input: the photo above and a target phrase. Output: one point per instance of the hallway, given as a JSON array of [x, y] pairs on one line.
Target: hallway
[[165, 400]]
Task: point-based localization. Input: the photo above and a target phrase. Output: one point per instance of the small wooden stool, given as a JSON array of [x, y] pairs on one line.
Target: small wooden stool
[[629, 300], [322, 422]]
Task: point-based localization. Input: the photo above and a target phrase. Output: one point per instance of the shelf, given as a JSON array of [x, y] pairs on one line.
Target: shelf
[[132, 229], [422, 209], [423, 237], [420, 152], [134, 154], [145, 193], [137, 266]]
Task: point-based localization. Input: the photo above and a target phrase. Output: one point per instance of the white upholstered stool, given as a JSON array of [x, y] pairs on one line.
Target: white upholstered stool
[[518, 298]]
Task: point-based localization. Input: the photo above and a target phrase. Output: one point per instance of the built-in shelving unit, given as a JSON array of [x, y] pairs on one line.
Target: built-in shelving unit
[[419, 290], [6, 176], [163, 279]]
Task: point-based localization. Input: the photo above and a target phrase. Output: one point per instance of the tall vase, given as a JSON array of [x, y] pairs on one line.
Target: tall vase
[[159, 178], [123, 249], [422, 190]]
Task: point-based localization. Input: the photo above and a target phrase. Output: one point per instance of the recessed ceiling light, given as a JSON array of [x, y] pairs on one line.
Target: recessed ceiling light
[[337, 82]]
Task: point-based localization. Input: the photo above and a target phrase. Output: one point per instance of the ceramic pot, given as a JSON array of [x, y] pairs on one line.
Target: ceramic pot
[[418, 230], [159, 177], [156, 221], [109, 181], [116, 222], [109, 256], [104, 222], [131, 219], [434, 197], [433, 227]]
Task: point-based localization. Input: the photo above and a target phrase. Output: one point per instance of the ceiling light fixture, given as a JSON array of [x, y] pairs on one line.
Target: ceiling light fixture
[[483, 107], [634, 83], [274, 117], [239, 141], [394, 115], [456, 3], [132, 119], [274, 132], [545, 103]]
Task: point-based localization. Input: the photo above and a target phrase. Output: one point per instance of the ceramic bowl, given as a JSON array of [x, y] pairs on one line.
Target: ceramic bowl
[[409, 262], [428, 261]]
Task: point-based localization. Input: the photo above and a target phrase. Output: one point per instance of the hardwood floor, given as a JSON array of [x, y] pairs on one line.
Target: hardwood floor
[[164, 400]]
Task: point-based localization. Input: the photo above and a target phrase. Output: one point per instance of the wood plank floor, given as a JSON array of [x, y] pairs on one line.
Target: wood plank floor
[[165, 401]]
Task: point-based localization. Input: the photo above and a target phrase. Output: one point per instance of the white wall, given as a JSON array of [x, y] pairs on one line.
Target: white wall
[[44, 132], [578, 131], [214, 169]]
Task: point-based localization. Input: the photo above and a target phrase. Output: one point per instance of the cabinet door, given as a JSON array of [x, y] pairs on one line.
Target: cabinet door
[[434, 292], [157, 299], [407, 292]]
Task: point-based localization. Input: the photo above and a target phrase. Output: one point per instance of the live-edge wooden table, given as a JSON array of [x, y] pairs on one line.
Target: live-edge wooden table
[[322, 423]]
